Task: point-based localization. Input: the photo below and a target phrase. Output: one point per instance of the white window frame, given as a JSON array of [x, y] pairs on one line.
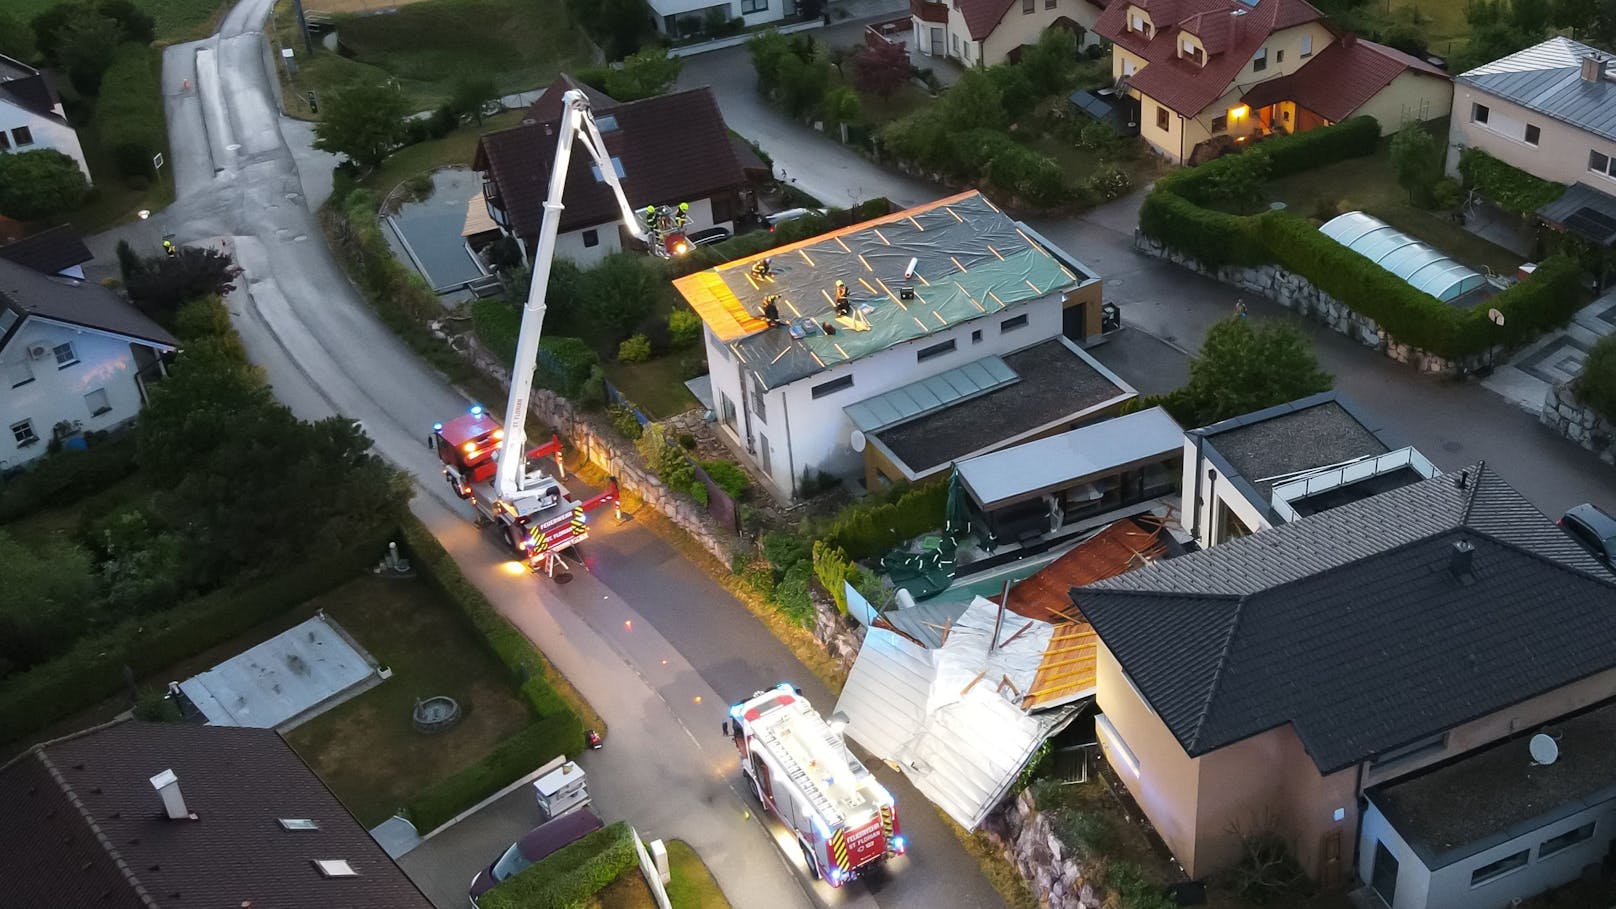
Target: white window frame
[[1307, 46], [754, 6], [104, 402], [1608, 170], [23, 433], [72, 355]]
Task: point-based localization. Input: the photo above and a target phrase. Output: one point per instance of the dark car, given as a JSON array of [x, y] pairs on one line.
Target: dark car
[[538, 843], [708, 236], [1594, 528]]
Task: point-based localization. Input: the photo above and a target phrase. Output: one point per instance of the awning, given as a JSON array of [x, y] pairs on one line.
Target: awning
[[1584, 211], [1004, 477], [932, 393]]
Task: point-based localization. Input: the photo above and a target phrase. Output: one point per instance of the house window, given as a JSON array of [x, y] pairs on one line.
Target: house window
[[1533, 134], [1013, 323], [1307, 46], [5, 140], [754, 6], [758, 409], [1259, 62], [1027, 6], [1049, 4], [1161, 118], [22, 136], [832, 387], [65, 355], [954, 39], [1127, 66], [1479, 113], [1115, 746], [763, 455], [1138, 25], [1492, 871], [1565, 840], [617, 165], [23, 433], [97, 402], [976, 336], [1600, 163], [726, 410], [591, 238], [1220, 123], [935, 350], [1279, 56], [19, 373]]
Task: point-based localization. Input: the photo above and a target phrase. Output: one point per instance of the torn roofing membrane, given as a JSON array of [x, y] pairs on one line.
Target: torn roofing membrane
[[971, 260]]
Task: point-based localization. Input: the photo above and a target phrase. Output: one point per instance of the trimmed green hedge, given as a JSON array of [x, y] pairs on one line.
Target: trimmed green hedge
[[1508, 187], [129, 112], [1215, 238], [565, 364], [1297, 152], [1596, 387], [515, 756], [93, 669], [567, 878], [66, 477], [864, 530]]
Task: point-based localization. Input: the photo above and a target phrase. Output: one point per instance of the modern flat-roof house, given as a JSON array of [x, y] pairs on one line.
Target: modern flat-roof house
[[74, 357], [679, 18], [135, 815], [1277, 681], [1267, 468], [31, 115], [962, 337], [667, 150], [1204, 70], [988, 32]]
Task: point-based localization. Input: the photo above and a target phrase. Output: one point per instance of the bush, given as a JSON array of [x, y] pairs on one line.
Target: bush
[[684, 328], [1446, 194], [63, 478], [496, 326], [1545, 300], [728, 475], [1086, 830], [835, 570], [864, 530], [129, 114], [635, 349], [782, 550], [1267, 871], [1133, 888], [567, 878], [1213, 237], [565, 365], [1596, 387], [1296, 152], [792, 596], [624, 421], [514, 757], [1510, 188]]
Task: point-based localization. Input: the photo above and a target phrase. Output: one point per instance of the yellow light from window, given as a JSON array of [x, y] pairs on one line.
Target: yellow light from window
[[1238, 111]]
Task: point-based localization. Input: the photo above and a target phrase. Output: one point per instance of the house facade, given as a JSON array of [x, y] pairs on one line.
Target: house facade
[[31, 115], [74, 358], [1305, 679], [1207, 71], [988, 32], [677, 18], [666, 150]]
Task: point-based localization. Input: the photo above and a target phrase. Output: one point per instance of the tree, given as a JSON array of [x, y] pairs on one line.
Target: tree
[[1246, 366], [362, 122], [53, 27], [84, 48], [163, 284], [645, 74], [39, 184], [1050, 63], [975, 102], [16, 37], [617, 295], [1580, 16], [136, 25], [618, 26], [1417, 161], [1016, 91], [841, 105], [881, 69], [468, 97], [48, 587]]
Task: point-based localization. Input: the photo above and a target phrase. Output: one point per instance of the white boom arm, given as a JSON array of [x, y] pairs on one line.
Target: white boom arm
[[576, 121]]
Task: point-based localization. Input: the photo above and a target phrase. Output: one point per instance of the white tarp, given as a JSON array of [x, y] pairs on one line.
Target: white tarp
[[947, 716], [285, 677]]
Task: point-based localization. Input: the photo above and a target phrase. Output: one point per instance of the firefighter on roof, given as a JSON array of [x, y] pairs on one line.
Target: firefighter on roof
[[771, 310]]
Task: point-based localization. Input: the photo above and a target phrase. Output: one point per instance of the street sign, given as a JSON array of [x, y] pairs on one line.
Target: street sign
[[157, 161], [286, 52]]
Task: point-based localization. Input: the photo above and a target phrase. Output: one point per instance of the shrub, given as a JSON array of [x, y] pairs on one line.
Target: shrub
[[568, 877], [1089, 831], [635, 349], [1213, 237], [565, 364], [792, 596], [624, 421], [684, 327], [728, 475], [1296, 152], [496, 326], [129, 113], [64, 478], [1133, 888], [1596, 387], [1446, 194], [1510, 188], [1267, 871], [1545, 300], [782, 550], [512, 758], [865, 530], [687, 441], [835, 570]]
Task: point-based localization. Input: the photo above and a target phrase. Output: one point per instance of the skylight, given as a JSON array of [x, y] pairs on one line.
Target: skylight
[[606, 124], [335, 868], [298, 823], [617, 165]]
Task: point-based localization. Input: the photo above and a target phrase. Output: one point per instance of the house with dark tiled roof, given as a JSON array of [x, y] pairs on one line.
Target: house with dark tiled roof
[[1206, 72], [666, 150], [138, 815], [986, 32], [31, 115], [1278, 681], [75, 357]]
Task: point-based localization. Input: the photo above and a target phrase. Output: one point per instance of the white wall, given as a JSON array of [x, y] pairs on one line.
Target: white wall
[[46, 133], [1413, 878], [55, 394], [570, 245], [1200, 502], [1562, 151], [804, 432]]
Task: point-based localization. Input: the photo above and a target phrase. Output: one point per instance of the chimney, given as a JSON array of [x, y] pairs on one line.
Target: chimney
[[1462, 559], [1593, 68], [1348, 39], [168, 786]]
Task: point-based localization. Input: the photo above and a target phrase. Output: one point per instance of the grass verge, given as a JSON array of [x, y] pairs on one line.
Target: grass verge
[[176, 20], [692, 885], [657, 386], [454, 150]]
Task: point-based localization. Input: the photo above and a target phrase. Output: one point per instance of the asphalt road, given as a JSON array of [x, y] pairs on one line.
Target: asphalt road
[[654, 644]]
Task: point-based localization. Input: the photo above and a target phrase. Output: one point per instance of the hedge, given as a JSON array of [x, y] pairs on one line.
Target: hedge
[[516, 756], [1510, 188], [66, 477], [1213, 237], [129, 113], [565, 364], [1596, 387], [568, 877], [1297, 152], [93, 669], [865, 530]]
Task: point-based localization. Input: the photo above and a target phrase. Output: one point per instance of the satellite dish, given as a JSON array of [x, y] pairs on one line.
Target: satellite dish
[[1545, 750], [1496, 315], [857, 439]]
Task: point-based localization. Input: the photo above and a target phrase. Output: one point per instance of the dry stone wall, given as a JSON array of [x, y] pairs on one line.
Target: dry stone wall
[[1052, 869], [1569, 417]]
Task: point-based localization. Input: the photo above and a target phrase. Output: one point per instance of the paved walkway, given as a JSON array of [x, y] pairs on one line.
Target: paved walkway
[[1555, 358]]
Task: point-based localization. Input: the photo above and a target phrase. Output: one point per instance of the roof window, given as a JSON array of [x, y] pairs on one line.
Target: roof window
[[298, 823], [335, 868]]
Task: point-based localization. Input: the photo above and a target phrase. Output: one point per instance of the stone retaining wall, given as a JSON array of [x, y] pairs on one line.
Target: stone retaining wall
[[1569, 417], [1298, 294], [1052, 870]]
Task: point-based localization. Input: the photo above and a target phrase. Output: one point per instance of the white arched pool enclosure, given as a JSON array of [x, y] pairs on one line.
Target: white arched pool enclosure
[[1420, 264]]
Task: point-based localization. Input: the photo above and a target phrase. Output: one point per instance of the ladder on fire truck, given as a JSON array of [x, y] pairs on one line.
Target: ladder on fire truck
[[775, 736]]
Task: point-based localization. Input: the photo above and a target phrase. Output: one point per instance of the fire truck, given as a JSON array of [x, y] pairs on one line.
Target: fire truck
[[844, 820], [489, 463]]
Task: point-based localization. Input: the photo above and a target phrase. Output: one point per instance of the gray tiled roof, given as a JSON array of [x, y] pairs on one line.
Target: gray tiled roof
[[1547, 78], [76, 302], [1349, 625]]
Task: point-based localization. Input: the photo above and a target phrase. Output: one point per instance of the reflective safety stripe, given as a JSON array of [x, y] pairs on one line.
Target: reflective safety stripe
[[838, 849], [886, 825]]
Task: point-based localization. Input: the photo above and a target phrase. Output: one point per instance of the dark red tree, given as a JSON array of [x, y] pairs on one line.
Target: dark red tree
[[881, 69]]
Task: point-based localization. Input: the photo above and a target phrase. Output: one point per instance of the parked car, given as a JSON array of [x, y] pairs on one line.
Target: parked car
[[534, 846], [708, 236], [1594, 528], [792, 214]]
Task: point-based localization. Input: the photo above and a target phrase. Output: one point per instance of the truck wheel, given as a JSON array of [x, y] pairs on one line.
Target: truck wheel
[[813, 867]]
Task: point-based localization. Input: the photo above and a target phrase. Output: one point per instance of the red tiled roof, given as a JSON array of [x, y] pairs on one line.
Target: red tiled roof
[[673, 148], [1123, 546], [982, 16], [1181, 84], [1341, 79]]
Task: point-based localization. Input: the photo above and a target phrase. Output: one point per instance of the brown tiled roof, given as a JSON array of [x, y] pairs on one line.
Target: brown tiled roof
[[85, 828], [1181, 84], [49, 251], [1340, 79], [673, 148]]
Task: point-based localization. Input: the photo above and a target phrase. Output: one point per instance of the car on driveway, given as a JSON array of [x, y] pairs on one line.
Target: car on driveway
[[708, 236], [791, 214], [533, 847], [1594, 528]]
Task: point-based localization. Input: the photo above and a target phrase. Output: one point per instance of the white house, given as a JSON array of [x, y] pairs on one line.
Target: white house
[[669, 149], [74, 357], [676, 18], [987, 32], [933, 290], [31, 115]]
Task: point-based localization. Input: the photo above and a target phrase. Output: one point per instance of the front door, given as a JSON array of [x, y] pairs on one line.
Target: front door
[[1383, 877], [938, 45], [1074, 320]]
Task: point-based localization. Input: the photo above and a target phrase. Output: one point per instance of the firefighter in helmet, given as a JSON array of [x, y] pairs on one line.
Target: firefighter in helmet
[[682, 216], [771, 310], [844, 301], [762, 269]]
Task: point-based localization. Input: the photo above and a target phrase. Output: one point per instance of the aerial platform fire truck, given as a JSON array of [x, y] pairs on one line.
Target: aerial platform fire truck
[[489, 463], [844, 820]]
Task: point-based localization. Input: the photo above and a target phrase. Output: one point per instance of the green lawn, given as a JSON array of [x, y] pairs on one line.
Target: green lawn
[[112, 201], [177, 20], [657, 386], [1442, 21], [454, 150], [692, 886], [366, 749]]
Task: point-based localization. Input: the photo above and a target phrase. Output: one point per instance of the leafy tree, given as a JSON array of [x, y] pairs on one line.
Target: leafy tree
[[1245, 366], [645, 74], [16, 37], [1417, 160], [617, 296], [1016, 90], [164, 283], [468, 97], [70, 34], [767, 49], [975, 102], [618, 26], [1499, 28], [130, 264], [85, 48], [48, 588], [141, 566], [1050, 63], [881, 69], [1580, 16], [363, 122], [39, 184], [841, 105], [133, 21]]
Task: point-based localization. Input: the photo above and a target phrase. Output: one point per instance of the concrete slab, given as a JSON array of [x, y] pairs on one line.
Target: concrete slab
[[285, 680], [702, 388], [1555, 358], [396, 835]]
